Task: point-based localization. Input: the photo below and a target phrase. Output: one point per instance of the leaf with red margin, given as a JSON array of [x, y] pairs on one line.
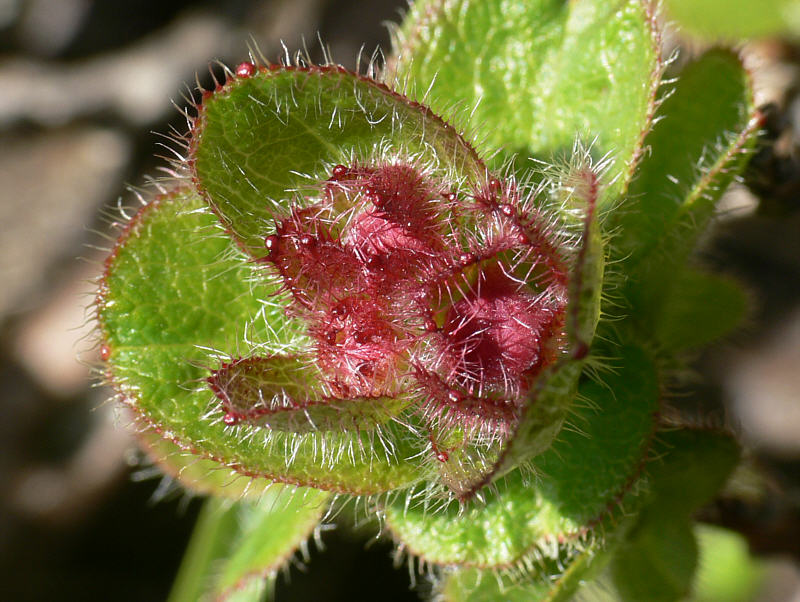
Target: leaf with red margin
[[532, 76], [261, 139], [552, 393], [176, 295], [576, 484], [288, 393], [702, 143]]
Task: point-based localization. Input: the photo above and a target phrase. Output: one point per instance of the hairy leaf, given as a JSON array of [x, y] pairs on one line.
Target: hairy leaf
[[200, 475], [260, 140], [552, 394], [576, 483], [706, 124], [285, 393], [534, 75], [176, 296]]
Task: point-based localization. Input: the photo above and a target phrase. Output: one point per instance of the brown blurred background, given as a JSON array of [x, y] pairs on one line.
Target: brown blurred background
[[83, 86]]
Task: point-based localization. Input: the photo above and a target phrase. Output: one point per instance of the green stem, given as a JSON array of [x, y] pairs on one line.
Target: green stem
[[213, 536]]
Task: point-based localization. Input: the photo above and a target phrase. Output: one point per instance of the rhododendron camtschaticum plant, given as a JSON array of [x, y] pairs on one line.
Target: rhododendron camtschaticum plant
[[463, 308]]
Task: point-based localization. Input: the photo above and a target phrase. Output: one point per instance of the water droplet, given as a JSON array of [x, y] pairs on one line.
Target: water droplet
[[430, 325], [245, 69], [105, 352], [507, 210], [339, 171], [449, 196], [454, 396], [230, 419], [443, 456], [307, 240], [494, 185], [467, 258], [271, 242]]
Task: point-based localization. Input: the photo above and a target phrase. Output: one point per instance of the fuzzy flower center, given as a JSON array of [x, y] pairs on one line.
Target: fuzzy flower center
[[409, 285]]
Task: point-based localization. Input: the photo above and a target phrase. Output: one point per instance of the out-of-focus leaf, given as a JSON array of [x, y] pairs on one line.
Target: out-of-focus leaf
[[735, 19], [237, 546], [658, 559], [727, 572], [701, 308]]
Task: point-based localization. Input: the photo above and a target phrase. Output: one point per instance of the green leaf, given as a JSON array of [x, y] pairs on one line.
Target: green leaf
[[538, 74], [567, 581], [237, 544], [261, 139], [285, 393], [548, 403], [177, 295], [199, 475], [733, 20], [695, 150], [709, 124], [657, 561], [214, 534], [727, 571], [588, 470], [474, 585], [701, 308], [553, 393], [693, 466], [586, 285]]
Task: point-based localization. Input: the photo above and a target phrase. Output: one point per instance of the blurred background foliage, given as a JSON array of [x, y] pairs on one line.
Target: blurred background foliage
[[83, 86], [736, 19]]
